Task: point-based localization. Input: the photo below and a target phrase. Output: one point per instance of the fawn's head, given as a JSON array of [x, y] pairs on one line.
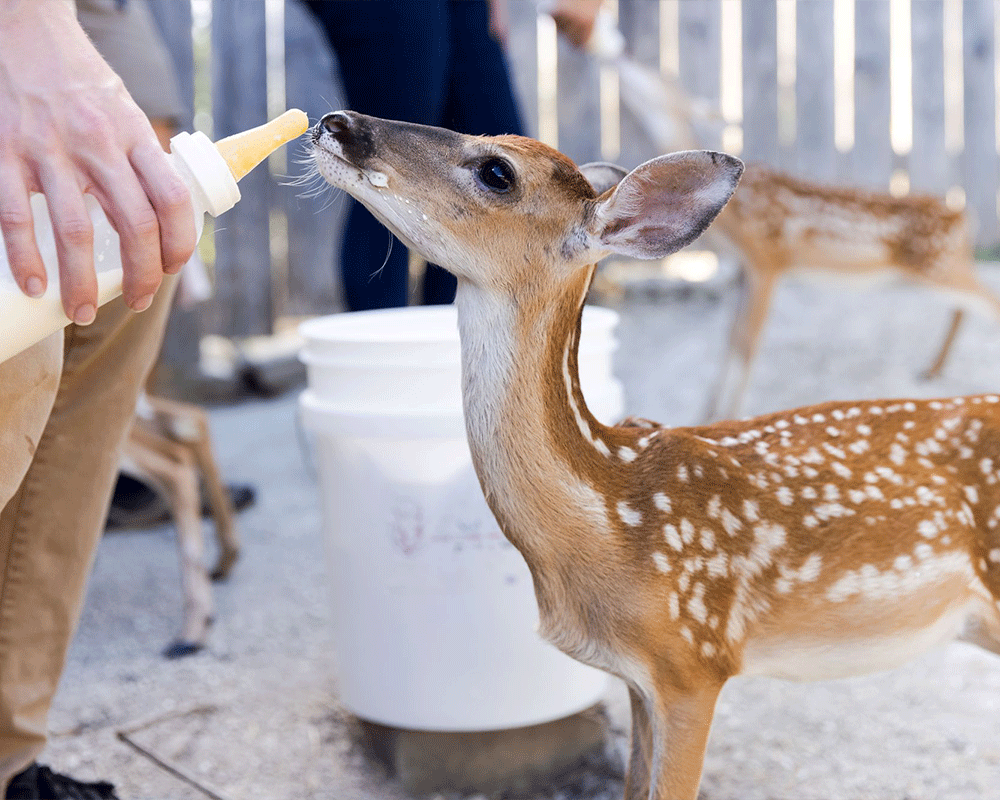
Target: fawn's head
[[501, 211]]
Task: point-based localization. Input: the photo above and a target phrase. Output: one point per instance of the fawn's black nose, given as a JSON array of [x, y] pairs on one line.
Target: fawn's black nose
[[336, 122], [352, 131]]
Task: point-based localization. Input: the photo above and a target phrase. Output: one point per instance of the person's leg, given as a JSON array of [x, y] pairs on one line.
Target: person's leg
[[50, 527], [65, 409], [393, 56], [479, 101], [28, 386]]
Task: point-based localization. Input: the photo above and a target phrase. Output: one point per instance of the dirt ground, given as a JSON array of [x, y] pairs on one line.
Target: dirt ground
[[256, 714]]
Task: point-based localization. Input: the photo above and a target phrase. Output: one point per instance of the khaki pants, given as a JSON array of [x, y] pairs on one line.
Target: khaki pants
[[65, 409]]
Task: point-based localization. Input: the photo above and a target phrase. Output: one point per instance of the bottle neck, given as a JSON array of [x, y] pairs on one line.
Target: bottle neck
[[205, 171]]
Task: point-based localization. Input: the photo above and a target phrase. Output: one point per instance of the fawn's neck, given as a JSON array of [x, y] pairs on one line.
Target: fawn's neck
[[541, 457]]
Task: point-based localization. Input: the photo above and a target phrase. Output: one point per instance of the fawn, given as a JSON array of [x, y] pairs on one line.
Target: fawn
[[828, 541], [779, 225]]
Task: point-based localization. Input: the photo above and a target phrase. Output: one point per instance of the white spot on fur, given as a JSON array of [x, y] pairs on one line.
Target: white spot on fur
[[674, 604], [714, 508], [696, 605], [662, 562], [662, 502], [707, 539], [785, 496], [730, 522], [751, 510], [627, 454], [629, 515], [673, 537]]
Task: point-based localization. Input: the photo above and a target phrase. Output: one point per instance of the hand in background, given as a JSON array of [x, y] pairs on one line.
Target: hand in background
[[499, 20], [575, 19], [68, 126]]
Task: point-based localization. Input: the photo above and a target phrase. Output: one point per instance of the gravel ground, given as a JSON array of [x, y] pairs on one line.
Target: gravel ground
[[256, 715]]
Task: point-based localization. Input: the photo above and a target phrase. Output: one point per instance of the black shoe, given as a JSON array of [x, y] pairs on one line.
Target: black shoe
[[137, 504], [41, 783]]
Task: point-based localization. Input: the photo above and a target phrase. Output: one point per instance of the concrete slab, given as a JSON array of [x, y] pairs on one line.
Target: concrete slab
[[278, 730]]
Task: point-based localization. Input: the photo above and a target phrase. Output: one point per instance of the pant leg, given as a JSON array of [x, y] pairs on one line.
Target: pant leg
[[393, 57], [479, 101], [50, 527]]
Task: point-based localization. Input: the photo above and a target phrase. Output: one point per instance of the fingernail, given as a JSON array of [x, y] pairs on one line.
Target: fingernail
[[142, 303], [85, 314], [34, 287]]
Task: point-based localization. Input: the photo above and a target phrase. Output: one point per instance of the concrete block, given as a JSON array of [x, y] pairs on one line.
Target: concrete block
[[514, 761]]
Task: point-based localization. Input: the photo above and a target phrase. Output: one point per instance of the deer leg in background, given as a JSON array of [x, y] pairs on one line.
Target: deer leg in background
[[681, 723], [172, 465], [965, 282], [934, 370], [188, 423], [222, 506], [756, 291]]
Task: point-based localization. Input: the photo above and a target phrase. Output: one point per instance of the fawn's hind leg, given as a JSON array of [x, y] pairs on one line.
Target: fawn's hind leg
[[937, 365]]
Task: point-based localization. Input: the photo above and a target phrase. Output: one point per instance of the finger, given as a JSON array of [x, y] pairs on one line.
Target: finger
[[120, 194], [171, 200], [74, 238], [17, 229]]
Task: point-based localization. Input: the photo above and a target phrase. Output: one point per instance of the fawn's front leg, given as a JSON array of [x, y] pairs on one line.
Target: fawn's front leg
[[680, 724], [640, 756]]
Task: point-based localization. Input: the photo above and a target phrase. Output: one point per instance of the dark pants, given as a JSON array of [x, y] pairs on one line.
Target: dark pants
[[432, 62]]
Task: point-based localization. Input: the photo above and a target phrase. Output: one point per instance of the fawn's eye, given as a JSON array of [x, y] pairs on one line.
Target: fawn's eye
[[496, 175]]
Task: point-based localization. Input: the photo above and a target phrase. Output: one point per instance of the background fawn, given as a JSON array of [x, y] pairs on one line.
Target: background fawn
[[823, 542], [780, 226]]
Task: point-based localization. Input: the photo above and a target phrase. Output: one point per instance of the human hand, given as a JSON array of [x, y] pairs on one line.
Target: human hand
[[69, 127], [575, 19]]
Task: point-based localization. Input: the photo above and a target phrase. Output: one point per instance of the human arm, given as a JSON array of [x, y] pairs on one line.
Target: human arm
[[69, 127]]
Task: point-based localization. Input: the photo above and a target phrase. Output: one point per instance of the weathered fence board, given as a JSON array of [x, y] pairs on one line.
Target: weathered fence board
[[315, 224], [980, 151], [522, 58], [700, 45], [579, 104], [242, 303], [760, 81], [639, 21], [815, 149], [871, 157], [928, 162], [180, 350]]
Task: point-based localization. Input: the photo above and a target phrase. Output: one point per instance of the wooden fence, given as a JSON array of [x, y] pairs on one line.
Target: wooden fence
[[896, 94]]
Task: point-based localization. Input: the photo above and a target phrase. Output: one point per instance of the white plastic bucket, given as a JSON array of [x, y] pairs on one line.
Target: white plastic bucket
[[434, 611]]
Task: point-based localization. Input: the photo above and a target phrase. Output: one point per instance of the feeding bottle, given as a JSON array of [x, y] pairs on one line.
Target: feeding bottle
[[210, 172]]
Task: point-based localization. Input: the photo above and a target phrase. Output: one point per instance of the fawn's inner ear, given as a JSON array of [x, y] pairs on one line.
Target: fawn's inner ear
[[603, 175], [664, 204]]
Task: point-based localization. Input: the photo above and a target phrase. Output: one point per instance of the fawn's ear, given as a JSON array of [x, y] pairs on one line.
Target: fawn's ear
[[602, 175], [664, 204]]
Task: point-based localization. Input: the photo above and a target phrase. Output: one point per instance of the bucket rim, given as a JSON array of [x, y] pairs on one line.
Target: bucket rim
[[351, 325], [323, 417]]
